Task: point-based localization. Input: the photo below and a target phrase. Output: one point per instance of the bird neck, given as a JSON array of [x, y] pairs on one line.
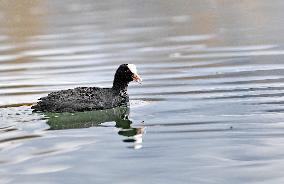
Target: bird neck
[[120, 86]]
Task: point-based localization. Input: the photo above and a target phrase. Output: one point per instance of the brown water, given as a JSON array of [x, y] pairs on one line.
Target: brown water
[[210, 109]]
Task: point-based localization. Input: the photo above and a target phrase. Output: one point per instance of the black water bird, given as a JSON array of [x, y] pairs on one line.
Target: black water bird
[[91, 98]]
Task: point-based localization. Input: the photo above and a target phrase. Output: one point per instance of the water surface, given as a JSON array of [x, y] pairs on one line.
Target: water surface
[[210, 109]]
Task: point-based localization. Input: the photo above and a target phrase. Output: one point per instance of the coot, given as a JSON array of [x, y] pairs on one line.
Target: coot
[[91, 98]]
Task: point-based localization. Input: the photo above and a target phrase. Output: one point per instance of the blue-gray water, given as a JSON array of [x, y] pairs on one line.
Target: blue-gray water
[[210, 109]]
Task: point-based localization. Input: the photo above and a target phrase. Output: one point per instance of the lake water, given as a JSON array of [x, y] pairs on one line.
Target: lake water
[[210, 109]]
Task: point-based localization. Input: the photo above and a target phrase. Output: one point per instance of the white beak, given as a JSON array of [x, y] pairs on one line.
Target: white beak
[[137, 78]]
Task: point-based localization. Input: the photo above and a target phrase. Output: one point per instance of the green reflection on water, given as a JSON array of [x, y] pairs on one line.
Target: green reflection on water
[[119, 115]]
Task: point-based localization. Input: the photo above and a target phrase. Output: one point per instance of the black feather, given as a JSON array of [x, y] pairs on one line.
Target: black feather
[[89, 98]]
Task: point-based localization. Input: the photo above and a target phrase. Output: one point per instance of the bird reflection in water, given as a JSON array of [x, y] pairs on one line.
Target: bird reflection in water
[[119, 115]]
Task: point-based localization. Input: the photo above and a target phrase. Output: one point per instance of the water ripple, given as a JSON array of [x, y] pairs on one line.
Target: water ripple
[[212, 92]]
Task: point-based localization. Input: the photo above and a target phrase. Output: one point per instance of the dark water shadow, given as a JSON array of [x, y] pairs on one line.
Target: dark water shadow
[[87, 119]]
